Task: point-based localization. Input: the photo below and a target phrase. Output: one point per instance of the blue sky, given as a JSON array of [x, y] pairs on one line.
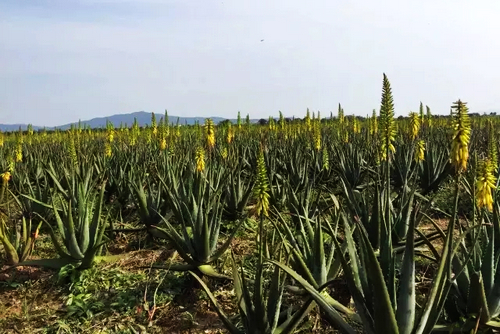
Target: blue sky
[[64, 60]]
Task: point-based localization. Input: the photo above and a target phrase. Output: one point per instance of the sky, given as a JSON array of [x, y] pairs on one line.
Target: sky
[[65, 60]]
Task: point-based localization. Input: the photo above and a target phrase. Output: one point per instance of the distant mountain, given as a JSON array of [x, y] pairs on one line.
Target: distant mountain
[[15, 127], [143, 118]]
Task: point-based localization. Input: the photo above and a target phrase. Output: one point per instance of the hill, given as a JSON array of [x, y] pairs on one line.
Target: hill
[[143, 118]]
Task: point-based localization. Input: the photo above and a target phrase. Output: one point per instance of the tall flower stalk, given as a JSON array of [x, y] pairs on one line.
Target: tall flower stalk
[[210, 133], [414, 125], [387, 123], [485, 184], [261, 189], [461, 136]]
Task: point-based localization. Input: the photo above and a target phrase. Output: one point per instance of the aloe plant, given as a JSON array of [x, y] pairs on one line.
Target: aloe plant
[[199, 215], [434, 170], [40, 192], [309, 258], [475, 292], [237, 192], [78, 237], [18, 240], [260, 305], [151, 203], [371, 294]]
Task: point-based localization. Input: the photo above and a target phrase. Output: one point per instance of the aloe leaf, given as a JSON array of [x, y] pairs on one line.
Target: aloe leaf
[[55, 241], [274, 298], [178, 242], [224, 318], [245, 301], [385, 320], [258, 291], [204, 240], [291, 323], [440, 287], [95, 226], [319, 255], [405, 313], [70, 236], [48, 263], [332, 315], [84, 225], [52, 173], [477, 303], [222, 249], [10, 250], [208, 270]]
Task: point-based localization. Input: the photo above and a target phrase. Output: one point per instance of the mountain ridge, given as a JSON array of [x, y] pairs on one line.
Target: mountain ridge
[[143, 119]]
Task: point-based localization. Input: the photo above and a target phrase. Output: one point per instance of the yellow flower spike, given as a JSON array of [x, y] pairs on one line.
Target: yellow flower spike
[[200, 159], [387, 123], [374, 123], [224, 153], [107, 149], [5, 177], [326, 160], [19, 152], [210, 132], [420, 151], [355, 126], [261, 187], [317, 137], [163, 144], [414, 124], [72, 150], [461, 136], [230, 134], [485, 183]]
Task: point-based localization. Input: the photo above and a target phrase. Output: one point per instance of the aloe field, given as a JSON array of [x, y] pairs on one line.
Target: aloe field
[[323, 224]]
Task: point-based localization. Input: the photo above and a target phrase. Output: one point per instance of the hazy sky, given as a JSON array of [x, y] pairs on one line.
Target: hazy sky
[[64, 60]]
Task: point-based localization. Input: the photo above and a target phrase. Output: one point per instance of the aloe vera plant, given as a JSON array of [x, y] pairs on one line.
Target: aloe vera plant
[[34, 209], [371, 294], [195, 206], [475, 292], [150, 201], [434, 170], [260, 305], [237, 193], [81, 232], [18, 239], [309, 258]]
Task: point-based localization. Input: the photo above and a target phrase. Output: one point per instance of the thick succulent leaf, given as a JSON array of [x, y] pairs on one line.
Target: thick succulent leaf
[[332, 315], [49, 263], [208, 270], [222, 315], [274, 298], [385, 319], [10, 251], [179, 244], [217, 254], [405, 313], [477, 303], [291, 323], [70, 235]]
